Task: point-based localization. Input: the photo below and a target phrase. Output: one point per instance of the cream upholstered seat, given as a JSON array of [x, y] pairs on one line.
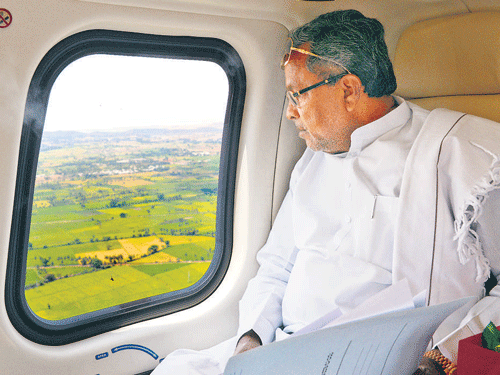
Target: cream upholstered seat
[[452, 62]]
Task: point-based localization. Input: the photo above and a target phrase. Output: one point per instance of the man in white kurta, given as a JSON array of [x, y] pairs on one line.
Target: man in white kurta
[[331, 244]]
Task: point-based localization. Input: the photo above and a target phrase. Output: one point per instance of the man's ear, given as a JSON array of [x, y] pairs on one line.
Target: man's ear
[[352, 87]]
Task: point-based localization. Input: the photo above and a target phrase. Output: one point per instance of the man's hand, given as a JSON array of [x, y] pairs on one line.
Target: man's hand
[[248, 341], [429, 367]]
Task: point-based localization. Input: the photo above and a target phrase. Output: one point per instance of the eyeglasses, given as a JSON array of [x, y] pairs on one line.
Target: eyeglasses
[[293, 96], [292, 49]]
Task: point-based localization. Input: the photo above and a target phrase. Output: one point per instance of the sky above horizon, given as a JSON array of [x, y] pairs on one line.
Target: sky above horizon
[[107, 92]]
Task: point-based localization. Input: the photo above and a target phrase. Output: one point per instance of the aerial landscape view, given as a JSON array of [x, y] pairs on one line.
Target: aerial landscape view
[[120, 216]]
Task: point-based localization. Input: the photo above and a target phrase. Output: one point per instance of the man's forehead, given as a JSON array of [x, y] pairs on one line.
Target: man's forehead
[[298, 58], [296, 72], [296, 54]]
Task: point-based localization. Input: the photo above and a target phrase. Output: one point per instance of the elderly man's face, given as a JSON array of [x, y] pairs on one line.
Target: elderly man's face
[[321, 117]]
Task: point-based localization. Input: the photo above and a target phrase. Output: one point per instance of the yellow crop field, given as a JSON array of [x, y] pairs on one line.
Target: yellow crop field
[[130, 182], [205, 206], [41, 204], [132, 247], [182, 240], [104, 255], [156, 258], [139, 246]]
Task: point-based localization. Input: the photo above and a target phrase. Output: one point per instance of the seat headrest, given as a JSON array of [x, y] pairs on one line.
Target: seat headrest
[[456, 55]]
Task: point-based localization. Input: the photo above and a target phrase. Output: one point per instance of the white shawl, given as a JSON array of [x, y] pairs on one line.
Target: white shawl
[[451, 176]]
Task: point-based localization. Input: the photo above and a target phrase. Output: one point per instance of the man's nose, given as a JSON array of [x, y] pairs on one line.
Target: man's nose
[[292, 112]]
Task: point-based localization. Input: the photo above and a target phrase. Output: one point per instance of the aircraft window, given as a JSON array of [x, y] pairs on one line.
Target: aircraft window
[[123, 205]]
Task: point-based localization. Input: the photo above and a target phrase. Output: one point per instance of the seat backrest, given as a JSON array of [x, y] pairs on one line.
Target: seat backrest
[[452, 62]]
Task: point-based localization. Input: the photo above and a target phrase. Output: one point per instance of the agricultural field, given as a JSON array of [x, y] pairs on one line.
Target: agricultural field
[[119, 217]]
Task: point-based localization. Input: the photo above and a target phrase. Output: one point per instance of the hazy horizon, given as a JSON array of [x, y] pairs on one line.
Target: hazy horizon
[[108, 93]]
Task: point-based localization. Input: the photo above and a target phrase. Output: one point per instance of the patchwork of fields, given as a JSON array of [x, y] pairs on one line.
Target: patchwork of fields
[[120, 217]]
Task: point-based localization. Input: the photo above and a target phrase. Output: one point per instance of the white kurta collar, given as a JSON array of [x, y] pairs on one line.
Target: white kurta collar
[[368, 133]]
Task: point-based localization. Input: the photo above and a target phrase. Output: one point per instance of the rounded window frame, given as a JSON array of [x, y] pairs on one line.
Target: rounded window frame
[[86, 43]]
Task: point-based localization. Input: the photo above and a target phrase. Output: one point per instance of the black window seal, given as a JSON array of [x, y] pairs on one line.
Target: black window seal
[[90, 42]]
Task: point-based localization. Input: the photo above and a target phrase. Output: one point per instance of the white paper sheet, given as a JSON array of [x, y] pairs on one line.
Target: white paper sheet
[[387, 344], [393, 298]]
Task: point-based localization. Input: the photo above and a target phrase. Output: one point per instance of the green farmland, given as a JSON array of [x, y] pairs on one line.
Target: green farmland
[[120, 217]]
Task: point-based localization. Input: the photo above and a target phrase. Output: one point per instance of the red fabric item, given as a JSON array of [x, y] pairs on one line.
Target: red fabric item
[[473, 359]]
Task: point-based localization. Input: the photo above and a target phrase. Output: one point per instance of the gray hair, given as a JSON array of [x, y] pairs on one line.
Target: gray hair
[[353, 40]]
